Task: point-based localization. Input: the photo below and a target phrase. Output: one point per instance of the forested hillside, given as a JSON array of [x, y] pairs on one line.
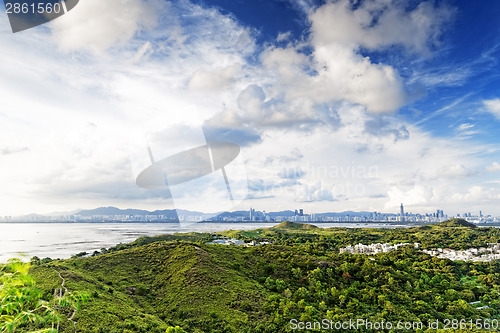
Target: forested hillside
[[179, 280]]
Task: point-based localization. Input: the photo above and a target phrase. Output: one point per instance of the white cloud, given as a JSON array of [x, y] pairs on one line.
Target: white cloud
[[284, 36], [315, 193], [342, 73], [215, 79], [379, 24], [493, 106], [96, 25], [255, 109], [69, 115], [415, 195], [477, 195], [464, 127], [455, 171], [304, 5], [494, 167], [349, 76], [134, 85], [454, 75], [287, 63], [352, 168]]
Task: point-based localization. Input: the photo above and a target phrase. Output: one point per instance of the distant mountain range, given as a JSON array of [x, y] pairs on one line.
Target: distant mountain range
[[109, 211], [173, 214]]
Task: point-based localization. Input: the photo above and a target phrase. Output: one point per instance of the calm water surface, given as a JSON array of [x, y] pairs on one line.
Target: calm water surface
[[62, 240]]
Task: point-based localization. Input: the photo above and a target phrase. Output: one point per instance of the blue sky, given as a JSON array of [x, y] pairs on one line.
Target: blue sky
[[336, 105]]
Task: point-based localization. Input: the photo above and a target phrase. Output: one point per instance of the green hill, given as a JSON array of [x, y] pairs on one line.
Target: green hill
[[295, 225], [179, 280], [455, 223], [146, 288]]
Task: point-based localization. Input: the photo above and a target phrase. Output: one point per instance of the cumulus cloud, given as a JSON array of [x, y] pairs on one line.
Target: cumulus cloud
[[376, 24], [339, 32], [296, 89], [413, 195], [476, 194], [256, 109], [287, 63], [493, 106]]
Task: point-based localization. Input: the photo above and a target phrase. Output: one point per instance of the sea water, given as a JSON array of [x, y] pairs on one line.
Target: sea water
[[62, 240]]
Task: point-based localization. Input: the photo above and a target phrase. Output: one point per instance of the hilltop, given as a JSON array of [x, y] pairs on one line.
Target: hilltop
[[294, 225], [455, 223]]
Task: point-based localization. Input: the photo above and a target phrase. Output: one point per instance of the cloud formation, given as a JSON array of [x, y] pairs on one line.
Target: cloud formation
[[493, 106], [98, 25], [339, 32], [376, 24], [317, 118]]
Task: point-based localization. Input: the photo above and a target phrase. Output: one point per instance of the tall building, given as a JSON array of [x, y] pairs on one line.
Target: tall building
[[301, 212], [252, 214], [402, 213]]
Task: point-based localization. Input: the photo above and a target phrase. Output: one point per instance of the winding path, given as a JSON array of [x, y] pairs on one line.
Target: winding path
[[61, 295]]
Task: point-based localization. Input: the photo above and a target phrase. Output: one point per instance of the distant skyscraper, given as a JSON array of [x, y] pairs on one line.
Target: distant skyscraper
[[402, 213], [301, 212]]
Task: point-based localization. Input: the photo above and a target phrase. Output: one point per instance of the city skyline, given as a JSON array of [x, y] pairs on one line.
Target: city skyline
[[335, 105], [114, 214]]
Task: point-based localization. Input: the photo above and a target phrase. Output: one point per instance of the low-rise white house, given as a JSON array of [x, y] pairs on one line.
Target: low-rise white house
[[492, 252]]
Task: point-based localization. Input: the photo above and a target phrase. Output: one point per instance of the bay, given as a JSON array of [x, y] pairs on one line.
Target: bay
[[62, 240]]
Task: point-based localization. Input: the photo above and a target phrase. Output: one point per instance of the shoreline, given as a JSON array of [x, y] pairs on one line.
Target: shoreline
[[367, 223]]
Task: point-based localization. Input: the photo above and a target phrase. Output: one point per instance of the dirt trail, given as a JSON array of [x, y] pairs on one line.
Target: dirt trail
[[60, 290]]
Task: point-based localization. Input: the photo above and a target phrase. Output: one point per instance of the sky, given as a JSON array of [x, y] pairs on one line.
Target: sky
[[336, 105]]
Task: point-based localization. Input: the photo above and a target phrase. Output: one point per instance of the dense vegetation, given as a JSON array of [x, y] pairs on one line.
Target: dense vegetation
[[178, 282], [22, 306]]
